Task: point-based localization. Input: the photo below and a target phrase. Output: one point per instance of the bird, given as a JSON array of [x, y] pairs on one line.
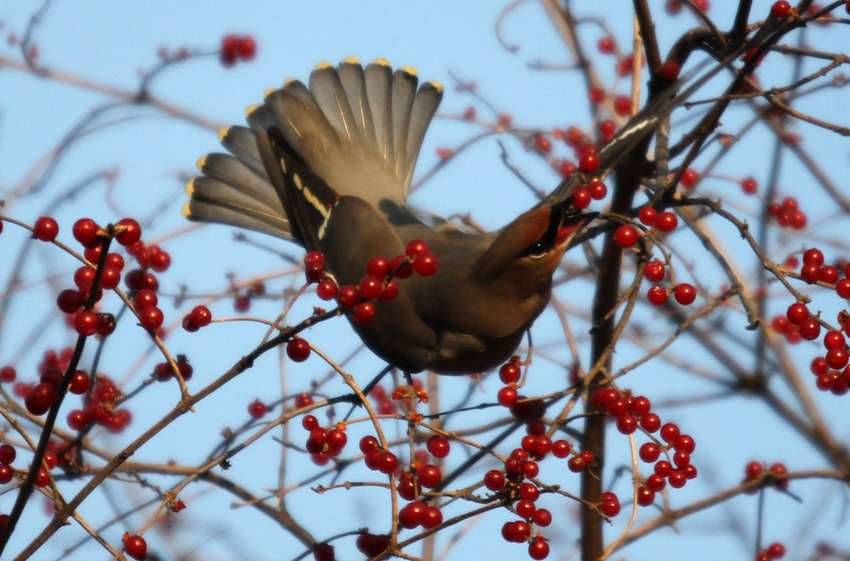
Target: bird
[[328, 165]]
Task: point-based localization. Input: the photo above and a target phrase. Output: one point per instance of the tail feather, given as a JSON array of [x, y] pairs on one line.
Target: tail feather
[[214, 201], [242, 143], [404, 90], [354, 82], [424, 106], [239, 178], [330, 95], [379, 92]]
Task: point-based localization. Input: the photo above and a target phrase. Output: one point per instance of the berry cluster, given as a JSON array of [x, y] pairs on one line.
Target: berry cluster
[[788, 214], [755, 470], [101, 409], [163, 371], [635, 412], [379, 283], [323, 443], [235, 48]]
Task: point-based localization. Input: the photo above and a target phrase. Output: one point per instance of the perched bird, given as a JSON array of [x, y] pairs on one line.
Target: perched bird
[[329, 166]]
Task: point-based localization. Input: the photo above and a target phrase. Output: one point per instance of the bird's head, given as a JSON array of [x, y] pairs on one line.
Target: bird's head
[[527, 251]]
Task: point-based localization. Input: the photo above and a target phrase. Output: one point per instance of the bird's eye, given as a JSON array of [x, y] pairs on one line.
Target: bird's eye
[[536, 250]]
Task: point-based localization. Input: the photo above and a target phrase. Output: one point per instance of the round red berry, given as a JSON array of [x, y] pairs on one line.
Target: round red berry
[[85, 232], [46, 229], [781, 9], [136, 547], [685, 294], [298, 349], [588, 162], [626, 236]]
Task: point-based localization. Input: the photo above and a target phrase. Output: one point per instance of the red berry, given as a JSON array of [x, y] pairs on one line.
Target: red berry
[[689, 178], [46, 229], [257, 409], [627, 424], [666, 222], [657, 296], [246, 48], [378, 267], [416, 247], [326, 290], [7, 454], [348, 296], [136, 547], [364, 313], [371, 287], [85, 323], [387, 462], [429, 476], [510, 373], [581, 198], [425, 264], [622, 105], [813, 256], [323, 552], [626, 236], [654, 271], [776, 550], [797, 313], [560, 448], [597, 189], [833, 339], [538, 550], [781, 9], [606, 45], [685, 294], [650, 452], [670, 70], [507, 397], [494, 480], [40, 398], [438, 446], [144, 298], [200, 316], [85, 232], [588, 162], [69, 301], [129, 232], [432, 517], [80, 382], [150, 317], [647, 216], [8, 374], [298, 349], [749, 186]]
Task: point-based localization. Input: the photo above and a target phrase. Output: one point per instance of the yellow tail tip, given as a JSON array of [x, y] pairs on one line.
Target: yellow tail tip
[[190, 187], [251, 108], [222, 133], [409, 70], [350, 60], [434, 84], [185, 211], [201, 162], [322, 65], [380, 62]]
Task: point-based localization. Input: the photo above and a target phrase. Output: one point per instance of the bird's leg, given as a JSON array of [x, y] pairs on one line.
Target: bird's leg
[[355, 401]]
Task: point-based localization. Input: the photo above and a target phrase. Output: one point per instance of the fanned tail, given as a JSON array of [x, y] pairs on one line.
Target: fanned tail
[[354, 131]]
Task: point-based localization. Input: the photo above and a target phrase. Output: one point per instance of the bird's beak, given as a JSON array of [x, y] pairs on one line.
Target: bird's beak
[[569, 223]]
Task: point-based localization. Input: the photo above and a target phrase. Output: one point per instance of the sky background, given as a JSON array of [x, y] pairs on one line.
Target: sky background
[[110, 42]]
